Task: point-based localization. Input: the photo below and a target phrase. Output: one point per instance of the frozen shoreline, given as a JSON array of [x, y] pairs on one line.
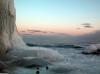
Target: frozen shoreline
[[74, 63]]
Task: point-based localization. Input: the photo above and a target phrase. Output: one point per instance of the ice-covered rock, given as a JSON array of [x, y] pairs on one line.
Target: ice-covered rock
[[10, 39], [98, 46], [91, 48]]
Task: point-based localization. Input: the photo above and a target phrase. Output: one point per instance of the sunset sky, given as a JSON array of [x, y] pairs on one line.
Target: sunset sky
[[74, 17]]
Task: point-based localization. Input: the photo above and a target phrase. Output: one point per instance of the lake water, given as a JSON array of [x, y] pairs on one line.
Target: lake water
[[74, 63]]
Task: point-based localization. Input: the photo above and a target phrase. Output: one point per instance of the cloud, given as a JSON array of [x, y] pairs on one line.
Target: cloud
[[43, 32], [22, 31], [78, 28], [87, 25], [37, 31]]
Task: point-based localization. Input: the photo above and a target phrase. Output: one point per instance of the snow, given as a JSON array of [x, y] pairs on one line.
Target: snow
[[93, 47]]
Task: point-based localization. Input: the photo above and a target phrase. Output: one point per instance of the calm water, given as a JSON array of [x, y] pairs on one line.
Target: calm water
[[74, 63]]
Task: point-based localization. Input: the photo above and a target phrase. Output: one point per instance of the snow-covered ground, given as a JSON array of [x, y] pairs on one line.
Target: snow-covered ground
[[74, 63]]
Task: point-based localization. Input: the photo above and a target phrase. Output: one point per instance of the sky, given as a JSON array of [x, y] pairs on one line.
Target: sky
[[73, 17]]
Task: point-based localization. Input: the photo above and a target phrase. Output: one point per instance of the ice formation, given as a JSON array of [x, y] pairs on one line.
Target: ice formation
[[12, 42], [93, 47]]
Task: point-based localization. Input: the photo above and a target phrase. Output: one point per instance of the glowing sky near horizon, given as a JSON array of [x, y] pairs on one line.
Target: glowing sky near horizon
[[61, 16]]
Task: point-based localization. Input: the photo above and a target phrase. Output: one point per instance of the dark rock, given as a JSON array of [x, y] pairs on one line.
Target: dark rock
[[47, 67], [2, 66], [37, 72]]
